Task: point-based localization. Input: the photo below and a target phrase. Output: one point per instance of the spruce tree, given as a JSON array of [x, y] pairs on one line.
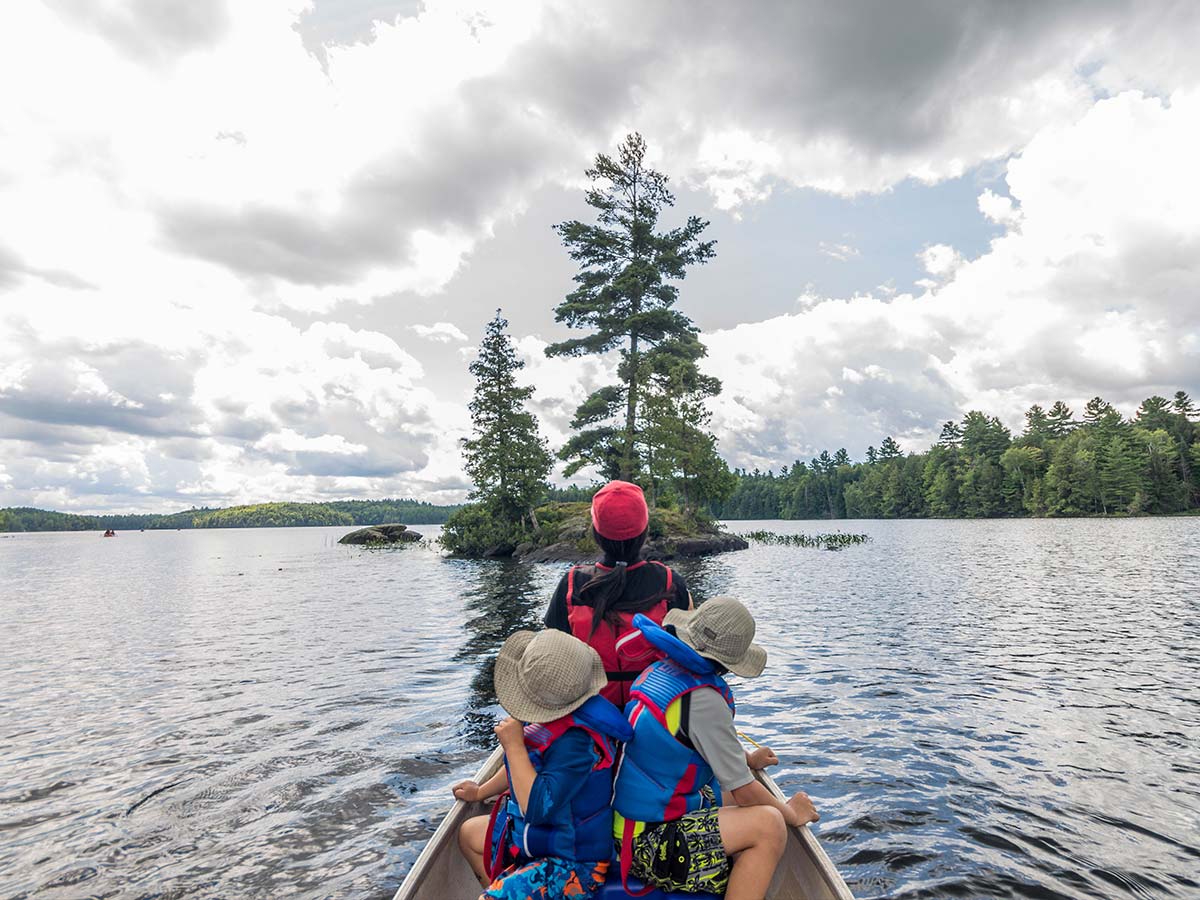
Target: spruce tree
[[505, 456], [624, 298]]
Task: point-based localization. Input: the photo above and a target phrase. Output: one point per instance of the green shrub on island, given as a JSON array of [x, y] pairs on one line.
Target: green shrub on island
[[476, 530]]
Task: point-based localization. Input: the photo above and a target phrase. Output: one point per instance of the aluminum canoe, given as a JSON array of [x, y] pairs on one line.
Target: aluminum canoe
[[441, 873]]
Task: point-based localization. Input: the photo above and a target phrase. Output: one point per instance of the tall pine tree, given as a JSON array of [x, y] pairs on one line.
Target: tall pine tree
[[624, 298]]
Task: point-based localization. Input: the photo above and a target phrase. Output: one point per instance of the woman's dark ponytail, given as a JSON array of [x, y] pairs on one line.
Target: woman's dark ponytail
[[605, 590]]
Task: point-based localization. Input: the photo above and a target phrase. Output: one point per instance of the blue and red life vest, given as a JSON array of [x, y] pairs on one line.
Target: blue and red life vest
[[622, 648], [661, 778], [584, 831]]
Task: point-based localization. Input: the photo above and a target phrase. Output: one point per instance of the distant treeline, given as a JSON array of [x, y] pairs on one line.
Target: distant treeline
[[1102, 465], [259, 515]]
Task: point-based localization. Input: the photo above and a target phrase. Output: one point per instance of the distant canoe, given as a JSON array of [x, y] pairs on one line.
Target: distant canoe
[[441, 873]]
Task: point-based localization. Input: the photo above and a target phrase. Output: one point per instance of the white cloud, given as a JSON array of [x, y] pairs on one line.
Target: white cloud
[[441, 332], [840, 252], [177, 193], [999, 208], [941, 261], [1094, 293]]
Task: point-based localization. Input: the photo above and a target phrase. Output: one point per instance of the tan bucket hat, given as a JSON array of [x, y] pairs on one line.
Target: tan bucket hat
[[541, 676], [721, 629]]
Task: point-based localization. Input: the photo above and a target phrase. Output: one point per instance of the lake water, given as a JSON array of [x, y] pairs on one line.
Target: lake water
[[979, 709]]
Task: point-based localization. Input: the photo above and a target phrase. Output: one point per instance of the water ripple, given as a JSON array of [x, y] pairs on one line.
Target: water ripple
[[980, 709]]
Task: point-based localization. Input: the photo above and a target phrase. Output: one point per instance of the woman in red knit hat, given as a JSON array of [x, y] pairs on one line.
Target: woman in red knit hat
[[597, 602]]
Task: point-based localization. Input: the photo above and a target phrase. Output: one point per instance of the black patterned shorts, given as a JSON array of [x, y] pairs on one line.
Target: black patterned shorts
[[684, 855]]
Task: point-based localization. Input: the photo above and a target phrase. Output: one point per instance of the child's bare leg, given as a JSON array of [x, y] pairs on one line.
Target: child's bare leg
[[471, 836]]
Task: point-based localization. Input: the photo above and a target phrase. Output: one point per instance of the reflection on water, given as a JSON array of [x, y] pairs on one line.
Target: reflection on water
[[980, 709], [504, 597]]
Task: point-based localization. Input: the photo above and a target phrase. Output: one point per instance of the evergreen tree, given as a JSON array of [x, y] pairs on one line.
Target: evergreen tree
[[1158, 455], [1154, 414], [1072, 485], [680, 455], [1183, 405], [889, 449], [951, 435], [1058, 467], [940, 481], [624, 298], [505, 456], [1099, 413], [1060, 420], [1037, 425], [1024, 464], [1119, 476]]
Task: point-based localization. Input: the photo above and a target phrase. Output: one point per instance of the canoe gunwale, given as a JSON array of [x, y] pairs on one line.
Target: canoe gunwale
[[447, 830], [829, 873]]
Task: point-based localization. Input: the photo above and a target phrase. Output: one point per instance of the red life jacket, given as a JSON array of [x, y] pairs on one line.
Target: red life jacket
[[623, 650]]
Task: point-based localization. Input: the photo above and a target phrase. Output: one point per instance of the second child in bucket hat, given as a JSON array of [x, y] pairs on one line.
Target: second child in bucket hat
[[597, 602], [670, 828], [550, 832]]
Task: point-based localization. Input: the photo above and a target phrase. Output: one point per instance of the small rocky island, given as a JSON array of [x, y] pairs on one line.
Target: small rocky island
[[380, 535], [565, 535]]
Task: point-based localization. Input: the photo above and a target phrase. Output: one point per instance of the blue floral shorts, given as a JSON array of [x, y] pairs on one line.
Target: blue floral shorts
[[549, 878]]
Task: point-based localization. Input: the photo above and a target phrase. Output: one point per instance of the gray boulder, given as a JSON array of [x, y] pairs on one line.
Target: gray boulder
[[381, 534]]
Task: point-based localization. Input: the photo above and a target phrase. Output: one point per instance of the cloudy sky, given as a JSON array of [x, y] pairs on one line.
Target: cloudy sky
[[246, 249]]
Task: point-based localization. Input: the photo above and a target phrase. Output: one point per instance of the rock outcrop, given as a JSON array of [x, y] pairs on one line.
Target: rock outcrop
[[376, 535]]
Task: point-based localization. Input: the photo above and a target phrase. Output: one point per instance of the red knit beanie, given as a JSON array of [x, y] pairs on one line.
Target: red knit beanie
[[619, 511]]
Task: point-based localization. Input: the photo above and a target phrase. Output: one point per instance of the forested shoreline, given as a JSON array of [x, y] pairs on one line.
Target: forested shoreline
[[259, 515], [1101, 465]]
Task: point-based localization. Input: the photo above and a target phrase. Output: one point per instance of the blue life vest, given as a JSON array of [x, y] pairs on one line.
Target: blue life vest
[[582, 832], [660, 777]]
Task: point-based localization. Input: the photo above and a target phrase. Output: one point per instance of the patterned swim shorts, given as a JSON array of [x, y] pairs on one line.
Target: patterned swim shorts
[[548, 878], [684, 855]]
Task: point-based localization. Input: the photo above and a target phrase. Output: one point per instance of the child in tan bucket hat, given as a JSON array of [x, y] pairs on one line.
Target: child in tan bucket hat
[[550, 833]]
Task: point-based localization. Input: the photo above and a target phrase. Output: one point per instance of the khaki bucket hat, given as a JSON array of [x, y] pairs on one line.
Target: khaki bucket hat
[[541, 676], [721, 629]]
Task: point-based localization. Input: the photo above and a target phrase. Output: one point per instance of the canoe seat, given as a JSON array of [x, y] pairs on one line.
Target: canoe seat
[[612, 890]]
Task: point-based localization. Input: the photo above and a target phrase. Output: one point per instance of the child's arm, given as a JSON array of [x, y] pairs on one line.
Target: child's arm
[[512, 738], [470, 791]]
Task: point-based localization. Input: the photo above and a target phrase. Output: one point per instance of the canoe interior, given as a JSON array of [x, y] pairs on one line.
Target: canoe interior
[[441, 873]]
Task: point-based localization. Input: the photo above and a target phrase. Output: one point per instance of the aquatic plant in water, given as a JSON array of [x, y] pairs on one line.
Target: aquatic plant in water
[[838, 540]]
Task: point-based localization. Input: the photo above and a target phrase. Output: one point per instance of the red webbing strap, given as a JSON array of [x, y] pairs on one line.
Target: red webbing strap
[[627, 861], [493, 864], [570, 586]]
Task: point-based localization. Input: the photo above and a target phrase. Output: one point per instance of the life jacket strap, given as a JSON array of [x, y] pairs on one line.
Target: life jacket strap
[[493, 857], [627, 860]]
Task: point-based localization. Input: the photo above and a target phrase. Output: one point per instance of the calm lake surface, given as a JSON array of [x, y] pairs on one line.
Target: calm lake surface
[[979, 709]]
